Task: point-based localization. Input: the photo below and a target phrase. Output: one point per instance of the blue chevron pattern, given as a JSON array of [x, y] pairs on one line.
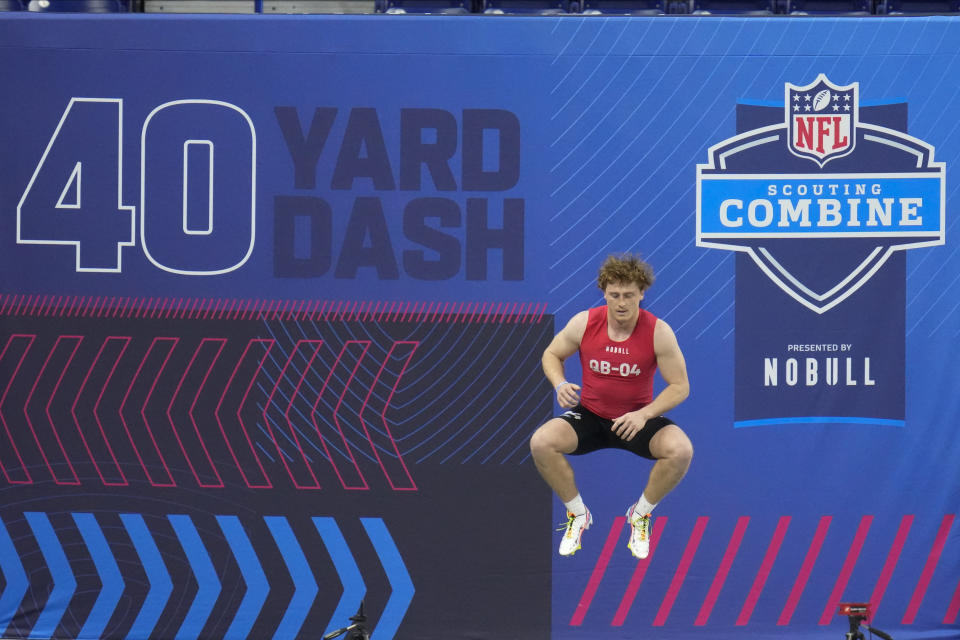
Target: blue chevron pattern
[[107, 570], [208, 585], [160, 584], [16, 578], [256, 580], [64, 582], [397, 574], [305, 586], [157, 555], [353, 586]]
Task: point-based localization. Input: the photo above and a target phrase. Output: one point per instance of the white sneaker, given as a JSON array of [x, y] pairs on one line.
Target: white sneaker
[[573, 530], [639, 543]]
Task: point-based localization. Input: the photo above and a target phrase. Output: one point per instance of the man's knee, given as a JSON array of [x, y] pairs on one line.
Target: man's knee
[[538, 442], [674, 445], [684, 451], [552, 438]]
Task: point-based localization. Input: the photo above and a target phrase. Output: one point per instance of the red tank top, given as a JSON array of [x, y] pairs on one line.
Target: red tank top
[[617, 376]]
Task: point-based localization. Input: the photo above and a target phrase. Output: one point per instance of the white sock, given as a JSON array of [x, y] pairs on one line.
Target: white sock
[[643, 507], [576, 506]]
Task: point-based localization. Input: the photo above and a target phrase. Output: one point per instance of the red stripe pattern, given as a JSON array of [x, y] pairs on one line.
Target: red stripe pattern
[[597, 576], [769, 558], [249, 309], [847, 570], [801, 582], [928, 568], [721, 576], [890, 564], [681, 571], [639, 572], [798, 589]]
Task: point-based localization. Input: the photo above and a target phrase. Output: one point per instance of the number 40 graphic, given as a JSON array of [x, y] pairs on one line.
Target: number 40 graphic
[[197, 188]]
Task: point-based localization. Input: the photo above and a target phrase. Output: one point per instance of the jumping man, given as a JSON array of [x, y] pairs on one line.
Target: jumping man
[[620, 346]]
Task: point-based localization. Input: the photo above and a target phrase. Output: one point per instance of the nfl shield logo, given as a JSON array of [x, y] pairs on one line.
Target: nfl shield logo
[[821, 119]]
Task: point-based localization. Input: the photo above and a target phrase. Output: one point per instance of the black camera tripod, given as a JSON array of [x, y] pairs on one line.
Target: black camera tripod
[[856, 634], [357, 630]]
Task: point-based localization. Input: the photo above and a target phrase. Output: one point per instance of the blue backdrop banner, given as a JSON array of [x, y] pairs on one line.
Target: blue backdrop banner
[[275, 290]]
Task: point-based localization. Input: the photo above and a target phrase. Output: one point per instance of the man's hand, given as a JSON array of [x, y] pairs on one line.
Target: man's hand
[[567, 396], [629, 424]]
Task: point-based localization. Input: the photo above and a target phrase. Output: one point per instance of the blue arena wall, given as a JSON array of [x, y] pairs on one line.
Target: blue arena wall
[[275, 290]]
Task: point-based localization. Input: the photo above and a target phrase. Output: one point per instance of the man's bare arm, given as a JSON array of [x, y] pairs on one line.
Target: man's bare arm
[[564, 344], [673, 370]]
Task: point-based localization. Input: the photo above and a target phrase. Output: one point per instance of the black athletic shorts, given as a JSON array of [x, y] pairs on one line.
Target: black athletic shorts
[[594, 432]]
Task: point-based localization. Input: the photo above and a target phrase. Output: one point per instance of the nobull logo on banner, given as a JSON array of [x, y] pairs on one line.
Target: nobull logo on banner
[[819, 197]]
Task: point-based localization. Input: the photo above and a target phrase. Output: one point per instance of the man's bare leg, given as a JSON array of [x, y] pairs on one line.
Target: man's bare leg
[[673, 451], [548, 445]]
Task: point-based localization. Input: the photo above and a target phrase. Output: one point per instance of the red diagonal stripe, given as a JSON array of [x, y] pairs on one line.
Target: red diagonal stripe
[[851, 561], [765, 567], [681, 573], [891, 563], [638, 573], [478, 313], [805, 570], [954, 608], [721, 576], [598, 570], [928, 568]]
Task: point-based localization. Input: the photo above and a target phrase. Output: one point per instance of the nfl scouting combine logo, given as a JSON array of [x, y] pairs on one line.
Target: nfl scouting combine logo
[[821, 194], [744, 204]]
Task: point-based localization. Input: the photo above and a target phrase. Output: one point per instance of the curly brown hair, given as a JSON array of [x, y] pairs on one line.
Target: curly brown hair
[[625, 268]]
